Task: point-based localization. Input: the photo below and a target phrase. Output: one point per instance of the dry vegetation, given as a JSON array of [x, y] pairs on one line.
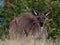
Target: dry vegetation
[[29, 41]]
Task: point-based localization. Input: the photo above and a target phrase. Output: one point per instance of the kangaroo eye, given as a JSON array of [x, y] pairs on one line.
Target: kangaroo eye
[[44, 18], [38, 18]]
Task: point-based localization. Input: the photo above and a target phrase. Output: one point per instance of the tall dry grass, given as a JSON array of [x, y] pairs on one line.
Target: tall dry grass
[[29, 41]]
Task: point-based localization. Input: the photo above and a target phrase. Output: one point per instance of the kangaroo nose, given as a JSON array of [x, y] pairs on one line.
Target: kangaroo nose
[[41, 24]]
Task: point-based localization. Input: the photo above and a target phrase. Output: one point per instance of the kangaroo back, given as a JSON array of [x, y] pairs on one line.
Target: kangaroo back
[[23, 25]]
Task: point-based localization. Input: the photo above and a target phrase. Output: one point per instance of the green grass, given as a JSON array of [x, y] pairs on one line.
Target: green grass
[[13, 8]]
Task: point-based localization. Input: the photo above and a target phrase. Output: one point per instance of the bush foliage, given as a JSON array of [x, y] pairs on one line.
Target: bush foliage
[[13, 8]]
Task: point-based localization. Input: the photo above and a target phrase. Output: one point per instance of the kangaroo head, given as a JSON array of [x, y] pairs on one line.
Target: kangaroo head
[[41, 16]]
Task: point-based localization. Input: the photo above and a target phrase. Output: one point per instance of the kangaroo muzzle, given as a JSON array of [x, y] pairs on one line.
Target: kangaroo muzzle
[[41, 24]]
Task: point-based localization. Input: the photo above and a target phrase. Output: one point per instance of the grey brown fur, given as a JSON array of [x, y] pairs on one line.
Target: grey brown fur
[[26, 25]]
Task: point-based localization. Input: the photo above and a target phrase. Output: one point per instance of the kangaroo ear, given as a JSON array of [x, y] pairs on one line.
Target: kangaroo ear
[[47, 12], [35, 11]]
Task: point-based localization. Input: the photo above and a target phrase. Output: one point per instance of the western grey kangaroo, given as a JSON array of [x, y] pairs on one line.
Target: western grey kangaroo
[[26, 24]]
